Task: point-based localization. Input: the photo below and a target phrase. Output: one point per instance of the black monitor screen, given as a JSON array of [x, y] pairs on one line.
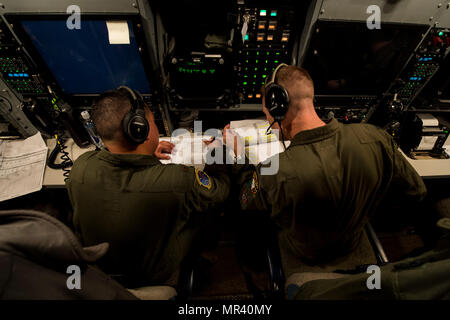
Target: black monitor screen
[[83, 61], [348, 58]]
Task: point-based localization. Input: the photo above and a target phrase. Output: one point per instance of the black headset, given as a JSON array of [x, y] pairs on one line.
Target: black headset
[[135, 125], [276, 96]]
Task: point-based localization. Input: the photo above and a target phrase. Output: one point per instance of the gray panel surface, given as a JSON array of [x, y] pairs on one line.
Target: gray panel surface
[[443, 15], [60, 6], [11, 110], [311, 18], [394, 11]]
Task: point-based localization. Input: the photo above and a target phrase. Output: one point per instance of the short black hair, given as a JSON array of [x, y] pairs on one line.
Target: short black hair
[[108, 111]]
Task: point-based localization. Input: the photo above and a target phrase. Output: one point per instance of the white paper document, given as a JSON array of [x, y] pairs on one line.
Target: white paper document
[[118, 32], [189, 150], [253, 131], [22, 166], [259, 146], [428, 120], [427, 143]]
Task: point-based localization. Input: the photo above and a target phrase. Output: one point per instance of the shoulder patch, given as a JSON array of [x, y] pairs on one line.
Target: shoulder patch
[[254, 187], [244, 197], [203, 179]]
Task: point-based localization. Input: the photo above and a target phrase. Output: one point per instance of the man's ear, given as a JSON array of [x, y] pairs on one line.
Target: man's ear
[[268, 116]]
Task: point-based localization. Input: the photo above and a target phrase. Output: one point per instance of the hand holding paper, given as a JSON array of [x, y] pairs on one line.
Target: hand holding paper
[[164, 149], [233, 140]]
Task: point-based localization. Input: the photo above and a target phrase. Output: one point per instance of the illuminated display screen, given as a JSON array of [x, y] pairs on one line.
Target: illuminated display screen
[[83, 61], [18, 75], [195, 68], [205, 79]]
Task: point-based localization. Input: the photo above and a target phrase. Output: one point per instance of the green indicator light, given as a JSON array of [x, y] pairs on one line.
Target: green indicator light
[[246, 37], [277, 53], [245, 83], [254, 76], [264, 76], [276, 61], [268, 52], [262, 12], [257, 61], [265, 69], [247, 52], [256, 69], [263, 82], [246, 61], [245, 76], [273, 14], [257, 53], [254, 82], [441, 34], [267, 61], [204, 71]]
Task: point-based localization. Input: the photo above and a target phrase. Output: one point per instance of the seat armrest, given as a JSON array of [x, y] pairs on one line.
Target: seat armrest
[[276, 273]]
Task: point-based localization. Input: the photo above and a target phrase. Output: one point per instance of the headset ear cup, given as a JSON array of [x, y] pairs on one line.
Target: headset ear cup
[[135, 128], [276, 101], [140, 125], [139, 129]]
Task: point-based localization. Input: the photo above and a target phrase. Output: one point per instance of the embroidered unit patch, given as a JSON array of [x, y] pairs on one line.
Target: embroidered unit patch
[[203, 179], [244, 197]]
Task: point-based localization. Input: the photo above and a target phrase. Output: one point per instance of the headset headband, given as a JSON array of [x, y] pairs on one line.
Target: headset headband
[[274, 74], [132, 94]]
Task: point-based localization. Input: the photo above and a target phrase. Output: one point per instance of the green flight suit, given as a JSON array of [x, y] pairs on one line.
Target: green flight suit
[[150, 213], [425, 277], [330, 180]]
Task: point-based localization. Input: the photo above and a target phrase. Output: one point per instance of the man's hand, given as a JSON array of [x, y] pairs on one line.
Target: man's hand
[[232, 140], [163, 150], [212, 143]]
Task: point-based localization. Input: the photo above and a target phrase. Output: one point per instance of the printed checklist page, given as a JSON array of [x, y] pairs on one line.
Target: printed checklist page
[[22, 166]]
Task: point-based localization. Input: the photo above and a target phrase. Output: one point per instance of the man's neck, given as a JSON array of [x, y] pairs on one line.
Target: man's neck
[[118, 149], [305, 118]]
